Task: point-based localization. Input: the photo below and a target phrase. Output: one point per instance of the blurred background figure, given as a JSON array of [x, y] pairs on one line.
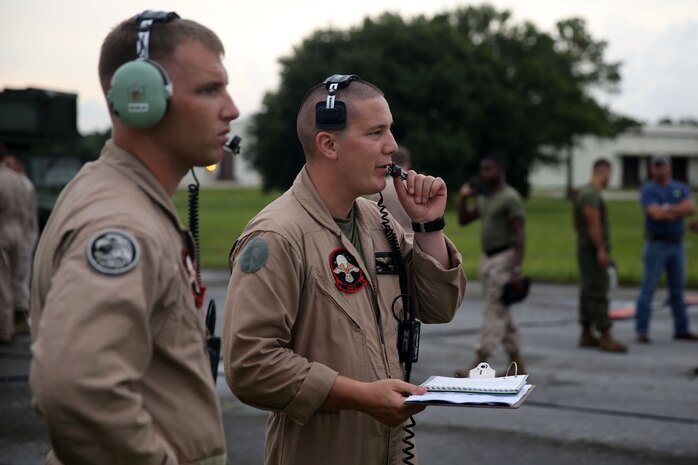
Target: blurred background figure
[[13, 206], [403, 158], [503, 238], [594, 259], [30, 228], [665, 203]]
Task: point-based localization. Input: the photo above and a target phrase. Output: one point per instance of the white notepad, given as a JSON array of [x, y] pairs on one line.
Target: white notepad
[[502, 385]]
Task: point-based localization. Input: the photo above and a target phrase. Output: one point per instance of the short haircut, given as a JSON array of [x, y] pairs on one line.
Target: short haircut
[[601, 163], [496, 159], [119, 46], [402, 156], [306, 128]]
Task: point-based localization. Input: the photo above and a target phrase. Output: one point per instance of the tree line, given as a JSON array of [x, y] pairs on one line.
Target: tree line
[[461, 84]]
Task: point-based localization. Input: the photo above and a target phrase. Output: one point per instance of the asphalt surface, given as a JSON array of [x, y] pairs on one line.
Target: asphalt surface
[[589, 407]]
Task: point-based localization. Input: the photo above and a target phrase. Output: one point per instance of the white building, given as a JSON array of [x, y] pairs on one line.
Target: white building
[[629, 153]]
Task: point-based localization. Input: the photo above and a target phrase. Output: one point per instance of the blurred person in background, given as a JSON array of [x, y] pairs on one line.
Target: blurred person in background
[[13, 207], [26, 254], [501, 210], [665, 203], [594, 259]]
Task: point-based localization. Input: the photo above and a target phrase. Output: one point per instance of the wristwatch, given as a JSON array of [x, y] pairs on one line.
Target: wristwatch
[[429, 226]]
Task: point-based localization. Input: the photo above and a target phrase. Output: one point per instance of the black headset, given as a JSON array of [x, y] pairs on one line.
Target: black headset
[[332, 114]]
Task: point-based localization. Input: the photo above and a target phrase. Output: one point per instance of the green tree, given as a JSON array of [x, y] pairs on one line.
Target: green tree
[[460, 84]]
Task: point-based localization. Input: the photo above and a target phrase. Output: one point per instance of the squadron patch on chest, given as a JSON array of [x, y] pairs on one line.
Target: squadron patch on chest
[[348, 277], [113, 252], [385, 263]]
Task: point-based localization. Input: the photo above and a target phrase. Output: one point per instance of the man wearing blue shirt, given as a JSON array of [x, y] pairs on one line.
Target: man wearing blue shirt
[[665, 203]]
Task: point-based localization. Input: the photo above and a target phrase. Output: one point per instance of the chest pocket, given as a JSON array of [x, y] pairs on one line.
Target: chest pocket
[[335, 305], [176, 320]]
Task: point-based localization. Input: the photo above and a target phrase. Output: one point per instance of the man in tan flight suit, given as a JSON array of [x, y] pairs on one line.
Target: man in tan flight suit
[[30, 235], [309, 333], [120, 370], [13, 203]]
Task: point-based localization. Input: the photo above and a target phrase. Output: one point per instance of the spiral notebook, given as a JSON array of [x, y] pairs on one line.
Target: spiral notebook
[[503, 385]]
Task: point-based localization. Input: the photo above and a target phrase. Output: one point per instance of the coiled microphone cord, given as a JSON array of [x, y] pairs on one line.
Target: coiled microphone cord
[[408, 437]]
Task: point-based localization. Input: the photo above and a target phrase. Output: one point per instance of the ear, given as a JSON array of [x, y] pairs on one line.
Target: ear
[[326, 145]]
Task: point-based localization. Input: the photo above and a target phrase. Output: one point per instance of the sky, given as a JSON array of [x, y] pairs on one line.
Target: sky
[[55, 44]]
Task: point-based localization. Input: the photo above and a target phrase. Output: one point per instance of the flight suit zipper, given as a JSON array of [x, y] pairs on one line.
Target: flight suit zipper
[[376, 308]]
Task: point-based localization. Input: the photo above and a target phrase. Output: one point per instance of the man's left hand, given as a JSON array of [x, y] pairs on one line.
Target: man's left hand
[[423, 197], [517, 280]]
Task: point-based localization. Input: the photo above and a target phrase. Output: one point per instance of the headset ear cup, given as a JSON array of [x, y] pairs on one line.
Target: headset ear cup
[[140, 92]]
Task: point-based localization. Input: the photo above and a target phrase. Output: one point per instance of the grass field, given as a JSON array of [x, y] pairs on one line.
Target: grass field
[[550, 246]]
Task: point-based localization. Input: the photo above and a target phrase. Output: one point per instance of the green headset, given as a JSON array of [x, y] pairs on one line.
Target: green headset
[[141, 89]]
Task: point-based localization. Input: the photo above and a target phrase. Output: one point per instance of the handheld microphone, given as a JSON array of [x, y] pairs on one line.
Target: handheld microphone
[[233, 146], [395, 171]]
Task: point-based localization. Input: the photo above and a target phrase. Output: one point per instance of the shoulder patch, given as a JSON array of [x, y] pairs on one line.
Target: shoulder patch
[[254, 255], [113, 252]]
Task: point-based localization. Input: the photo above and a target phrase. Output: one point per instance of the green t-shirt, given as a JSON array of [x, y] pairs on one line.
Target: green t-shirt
[[590, 196], [350, 229], [496, 212]]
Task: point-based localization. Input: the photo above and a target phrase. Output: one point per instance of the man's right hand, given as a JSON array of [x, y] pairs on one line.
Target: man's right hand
[[603, 259], [383, 399], [466, 190]]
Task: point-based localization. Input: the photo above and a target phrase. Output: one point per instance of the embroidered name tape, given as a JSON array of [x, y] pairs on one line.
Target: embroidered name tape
[[385, 263]]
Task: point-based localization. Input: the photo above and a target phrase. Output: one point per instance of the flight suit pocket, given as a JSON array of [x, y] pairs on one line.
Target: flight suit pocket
[[182, 321], [333, 331], [339, 303]]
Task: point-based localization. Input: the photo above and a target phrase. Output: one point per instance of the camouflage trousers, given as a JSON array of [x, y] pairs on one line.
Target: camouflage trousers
[[497, 322], [593, 294]]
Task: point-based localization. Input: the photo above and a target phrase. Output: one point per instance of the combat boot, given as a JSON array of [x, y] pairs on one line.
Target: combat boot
[[465, 372], [608, 344], [587, 338]]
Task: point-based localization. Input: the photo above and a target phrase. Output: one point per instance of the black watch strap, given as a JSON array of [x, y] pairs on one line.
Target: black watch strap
[[430, 226]]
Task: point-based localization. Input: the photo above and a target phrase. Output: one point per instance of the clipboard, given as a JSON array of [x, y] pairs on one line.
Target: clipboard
[[472, 400]]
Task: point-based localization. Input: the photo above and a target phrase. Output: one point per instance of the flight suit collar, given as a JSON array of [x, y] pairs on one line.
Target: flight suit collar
[[138, 173], [310, 200]]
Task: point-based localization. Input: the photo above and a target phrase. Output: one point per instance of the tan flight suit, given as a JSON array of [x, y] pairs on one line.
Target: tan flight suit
[[120, 371], [12, 205], [294, 320], [26, 254]]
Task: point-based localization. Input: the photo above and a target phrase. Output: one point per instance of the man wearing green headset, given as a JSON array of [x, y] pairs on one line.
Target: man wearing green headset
[[120, 372]]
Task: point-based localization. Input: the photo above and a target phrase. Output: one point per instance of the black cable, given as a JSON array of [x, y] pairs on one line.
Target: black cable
[[407, 440], [213, 342], [193, 210], [408, 315]]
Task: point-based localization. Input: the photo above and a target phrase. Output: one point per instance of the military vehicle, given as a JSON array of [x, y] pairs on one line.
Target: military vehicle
[[39, 127]]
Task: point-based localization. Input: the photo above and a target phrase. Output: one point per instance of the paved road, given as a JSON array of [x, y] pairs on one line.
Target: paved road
[[589, 407]]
